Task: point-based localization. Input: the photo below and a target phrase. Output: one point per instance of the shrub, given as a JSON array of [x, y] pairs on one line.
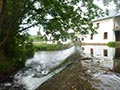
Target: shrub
[[5, 66], [111, 44]]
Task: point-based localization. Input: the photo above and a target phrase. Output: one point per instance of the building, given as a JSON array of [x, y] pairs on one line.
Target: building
[[108, 30]]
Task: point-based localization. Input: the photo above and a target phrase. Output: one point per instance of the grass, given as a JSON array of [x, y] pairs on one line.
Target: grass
[[50, 47]]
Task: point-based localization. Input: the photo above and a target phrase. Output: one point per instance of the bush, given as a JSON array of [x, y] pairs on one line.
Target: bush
[[29, 50], [111, 44], [5, 66]]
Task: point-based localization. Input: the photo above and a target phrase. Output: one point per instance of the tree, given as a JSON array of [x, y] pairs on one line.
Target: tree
[[116, 2], [12, 42], [37, 37], [17, 16]]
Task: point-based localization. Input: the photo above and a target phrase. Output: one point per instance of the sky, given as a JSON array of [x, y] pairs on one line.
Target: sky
[[111, 5], [34, 30]]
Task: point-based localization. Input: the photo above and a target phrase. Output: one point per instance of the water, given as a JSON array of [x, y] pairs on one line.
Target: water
[[107, 57], [38, 69], [103, 66], [101, 62]]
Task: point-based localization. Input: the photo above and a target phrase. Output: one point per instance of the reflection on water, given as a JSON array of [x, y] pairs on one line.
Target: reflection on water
[[103, 64], [103, 51], [110, 56], [117, 60]]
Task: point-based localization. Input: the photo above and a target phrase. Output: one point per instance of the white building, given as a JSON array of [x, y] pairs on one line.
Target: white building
[[108, 30]]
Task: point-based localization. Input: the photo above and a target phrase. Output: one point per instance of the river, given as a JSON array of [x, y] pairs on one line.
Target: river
[[101, 62], [104, 66], [37, 70]]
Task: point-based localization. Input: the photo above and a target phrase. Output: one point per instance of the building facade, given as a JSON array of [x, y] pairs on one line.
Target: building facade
[[108, 30]]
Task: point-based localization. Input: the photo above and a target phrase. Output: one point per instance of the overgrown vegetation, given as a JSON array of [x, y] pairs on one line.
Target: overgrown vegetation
[[111, 44]]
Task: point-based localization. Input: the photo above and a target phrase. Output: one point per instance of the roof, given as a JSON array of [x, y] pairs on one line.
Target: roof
[[112, 14]]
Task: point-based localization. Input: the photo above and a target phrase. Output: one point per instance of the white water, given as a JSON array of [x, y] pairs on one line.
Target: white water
[[37, 69]]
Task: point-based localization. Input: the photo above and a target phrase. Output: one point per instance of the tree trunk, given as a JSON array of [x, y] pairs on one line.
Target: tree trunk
[[1, 4], [2, 7]]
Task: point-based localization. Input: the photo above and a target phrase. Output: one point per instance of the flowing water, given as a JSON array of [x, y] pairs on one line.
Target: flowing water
[[101, 62], [38, 69]]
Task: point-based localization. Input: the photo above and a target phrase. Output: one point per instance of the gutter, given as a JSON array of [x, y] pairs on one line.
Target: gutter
[[103, 18]]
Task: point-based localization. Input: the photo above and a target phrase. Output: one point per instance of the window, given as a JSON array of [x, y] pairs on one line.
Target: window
[[105, 52], [105, 35], [82, 39], [98, 25], [91, 51], [91, 36]]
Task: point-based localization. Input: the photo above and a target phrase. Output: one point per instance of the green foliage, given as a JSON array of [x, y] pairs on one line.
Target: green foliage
[[116, 2], [8, 66], [17, 52], [21, 47], [41, 46], [111, 44], [37, 38], [49, 47], [20, 15], [64, 16]]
